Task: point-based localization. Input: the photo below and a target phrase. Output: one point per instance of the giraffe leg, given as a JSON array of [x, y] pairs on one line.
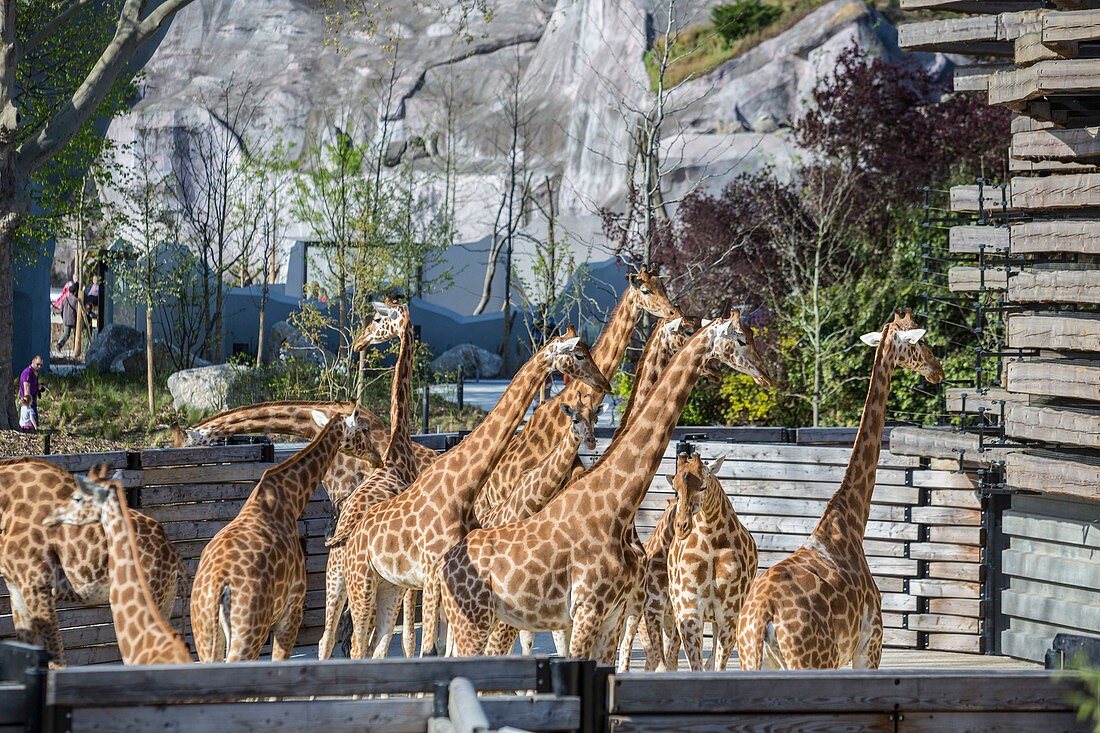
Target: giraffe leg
[[408, 624], [626, 644], [725, 636], [36, 622], [286, 627], [691, 636], [362, 598], [526, 642], [652, 642], [562, 638], [608, 641], [246, 636], [472, 620], [387, 602], [869, 648], [588, 621], [336, 597], [501, 639], [430, 624]]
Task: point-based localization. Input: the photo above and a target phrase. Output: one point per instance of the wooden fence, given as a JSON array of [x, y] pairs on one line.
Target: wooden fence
[[923, 539], [403, 696]]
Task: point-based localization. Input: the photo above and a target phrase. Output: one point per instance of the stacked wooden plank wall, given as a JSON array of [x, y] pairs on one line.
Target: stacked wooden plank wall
[[1044, 227], [922, 541]]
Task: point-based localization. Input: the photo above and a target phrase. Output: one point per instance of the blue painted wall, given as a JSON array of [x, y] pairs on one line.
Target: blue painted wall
[[31, 315]]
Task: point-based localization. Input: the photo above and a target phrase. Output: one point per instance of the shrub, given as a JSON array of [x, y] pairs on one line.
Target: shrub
[[736, 20]]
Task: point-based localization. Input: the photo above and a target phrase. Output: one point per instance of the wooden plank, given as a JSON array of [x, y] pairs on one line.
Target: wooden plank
[[1055, 286], [726, 723], [944, 588], [974, 34], [966, 279], [164, 457], [1052, 569], [943, 443], [946, 515], [955, 607], [1064, 331], [182, 683], [900, 638], [940, 623], [840, 690], [1070, 553], [955, 571], [205, 474], [12, 704], [1069, 76], [961, 498], [1046, 609], [944, 480], [898, 602], [1069, 236], [964, 643], [395, 715], [972, 239], [1054, 425], [1081, 533], [1074, 27], [1066, 144], [955, 535], [1010, 722], [78, 462], [787, 453], [1075, 379], [943, 551], [971, 6], [970, 199]]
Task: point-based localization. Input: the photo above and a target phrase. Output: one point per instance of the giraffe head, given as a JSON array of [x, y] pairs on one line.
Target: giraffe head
[[569, 355], [692, 479], [355, 438], [732, 344], [675, 334], [646, 287], [583, 415], [93, 495], [390, 318], [901, 340], [190, 437]]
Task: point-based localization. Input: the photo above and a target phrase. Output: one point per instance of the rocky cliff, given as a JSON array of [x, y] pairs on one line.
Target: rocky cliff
[[577, 66]]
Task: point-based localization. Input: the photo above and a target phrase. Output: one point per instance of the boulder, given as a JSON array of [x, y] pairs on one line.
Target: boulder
[[204, 388], [475, 361], [113, 341], [284, 340]]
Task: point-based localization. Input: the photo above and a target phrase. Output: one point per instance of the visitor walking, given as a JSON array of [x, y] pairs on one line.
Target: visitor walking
[[29, 391], [91, 297], [70, 305]]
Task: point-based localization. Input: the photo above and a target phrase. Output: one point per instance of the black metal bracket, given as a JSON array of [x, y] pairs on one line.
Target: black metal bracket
[[1073, 651], [27, 665]]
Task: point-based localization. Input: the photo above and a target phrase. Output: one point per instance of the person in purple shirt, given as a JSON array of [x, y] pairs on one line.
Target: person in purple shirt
[[29, 388]]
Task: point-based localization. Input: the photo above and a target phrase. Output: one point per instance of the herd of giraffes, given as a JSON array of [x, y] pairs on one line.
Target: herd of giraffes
[[505, 535]]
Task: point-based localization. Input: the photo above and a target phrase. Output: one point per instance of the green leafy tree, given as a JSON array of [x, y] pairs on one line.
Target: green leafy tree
[[59, 62]]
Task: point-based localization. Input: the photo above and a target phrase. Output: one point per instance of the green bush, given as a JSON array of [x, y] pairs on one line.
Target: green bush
[[736, 20]]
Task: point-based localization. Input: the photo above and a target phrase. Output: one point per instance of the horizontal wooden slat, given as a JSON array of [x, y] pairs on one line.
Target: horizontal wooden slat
[[941, 623], [1013, 88], [943, 551], [972, 239], [1055, 286], [1085, 617], [161, 457], [1065, 331], [1074, 379], [728, 723], [946, 516], [966, 279], [1082, 533], [944, 589], [1053, 569], [1054, 425], [1014, 722]]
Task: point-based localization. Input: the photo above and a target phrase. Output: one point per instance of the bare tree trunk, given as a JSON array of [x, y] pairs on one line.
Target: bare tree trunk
[[149, 357], [263, 325], [13, 208]]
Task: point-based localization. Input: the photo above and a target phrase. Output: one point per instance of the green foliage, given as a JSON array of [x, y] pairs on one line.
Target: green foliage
[[1085, 693], [738, 19], [746, 403], [103, 405]]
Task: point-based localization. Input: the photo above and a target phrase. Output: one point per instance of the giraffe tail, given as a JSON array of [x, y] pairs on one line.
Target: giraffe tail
[[223, 623]]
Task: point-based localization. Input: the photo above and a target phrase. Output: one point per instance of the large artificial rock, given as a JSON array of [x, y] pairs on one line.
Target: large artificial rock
[[475, 361], [284, 340], [204, 389], [110, 343]]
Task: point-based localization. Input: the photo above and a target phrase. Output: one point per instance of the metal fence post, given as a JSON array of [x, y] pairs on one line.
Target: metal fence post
[[27, 665], [459, 384]]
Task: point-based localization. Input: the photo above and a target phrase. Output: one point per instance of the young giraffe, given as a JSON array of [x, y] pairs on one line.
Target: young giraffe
[[820, 608], [647, 608], [251, 579], [535, 490], [711, 562], [401, 540], [574, 561], [401, 464], [548, 425], [144, 637], [46, 565], [296, 418]]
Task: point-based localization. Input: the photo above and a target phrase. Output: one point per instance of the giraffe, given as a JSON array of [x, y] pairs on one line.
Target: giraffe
[[574, 561], [44, 565], [251, 579], [647, 608], [401, 464], [819, 608], [144, 636], [548, 425], [295, 418], [711, 562], [401, 540], [536, 489]]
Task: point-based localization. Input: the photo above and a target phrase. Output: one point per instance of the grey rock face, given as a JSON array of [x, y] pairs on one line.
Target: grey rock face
[[113, 341], [203, 388], [475, 361]]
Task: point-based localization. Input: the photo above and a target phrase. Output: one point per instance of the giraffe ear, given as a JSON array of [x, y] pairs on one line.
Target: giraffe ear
[[194, 437], [568, 410], [871, 339], [716, 465], [319, 417], [567, 344], [912, 336], [604, 407], [117, 476], [352, 419], [705, 322], [85, 485]]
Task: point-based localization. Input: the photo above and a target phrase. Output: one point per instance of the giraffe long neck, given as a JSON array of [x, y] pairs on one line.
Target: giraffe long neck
[[624, 473], [715, 505], [610, 347], [474, 457], [662, 533], [135, 612], [651, 365], [399, 450], [845, 516], [284, 418], [283, 491], [539, 486]]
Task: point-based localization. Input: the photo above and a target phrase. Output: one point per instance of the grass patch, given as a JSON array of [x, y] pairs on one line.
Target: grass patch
[[700, 49]]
